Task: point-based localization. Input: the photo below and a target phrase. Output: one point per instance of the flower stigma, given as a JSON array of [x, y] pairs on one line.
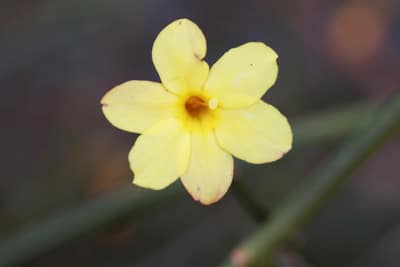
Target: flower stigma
[[213, 103]]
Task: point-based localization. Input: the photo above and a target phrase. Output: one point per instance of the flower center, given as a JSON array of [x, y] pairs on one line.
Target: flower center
[[196, 106]]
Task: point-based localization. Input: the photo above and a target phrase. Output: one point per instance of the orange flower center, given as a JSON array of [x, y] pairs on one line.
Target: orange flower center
[[196, 106]]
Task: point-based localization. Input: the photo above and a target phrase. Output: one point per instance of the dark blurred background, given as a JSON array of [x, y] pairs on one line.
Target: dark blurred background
[[58, 58]]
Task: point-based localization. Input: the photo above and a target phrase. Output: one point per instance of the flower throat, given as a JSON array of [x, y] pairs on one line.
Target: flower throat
[[196, 106]]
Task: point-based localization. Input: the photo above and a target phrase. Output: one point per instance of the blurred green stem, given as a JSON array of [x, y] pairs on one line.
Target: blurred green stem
[[248, 201], [325, 126], [304, 202], [124, 205], [112, 209]]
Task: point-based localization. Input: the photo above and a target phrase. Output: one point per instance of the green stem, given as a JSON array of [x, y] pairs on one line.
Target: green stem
[[248, 201], [124, 204], [326, 126], [97, 215], [304, 202]]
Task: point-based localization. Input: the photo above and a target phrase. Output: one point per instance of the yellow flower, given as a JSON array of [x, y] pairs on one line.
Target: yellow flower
[[197, 118]]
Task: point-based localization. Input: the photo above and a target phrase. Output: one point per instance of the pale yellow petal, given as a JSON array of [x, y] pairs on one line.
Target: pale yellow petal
[[136, 105], [160, 155], [242, 75], [210, 169], [257, 134], [178, 53]]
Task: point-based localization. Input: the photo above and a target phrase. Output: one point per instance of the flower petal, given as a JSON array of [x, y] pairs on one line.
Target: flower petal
[[257, 134], [210, 170], [161, 155], [136, 105], [242, 75], [178, 53]]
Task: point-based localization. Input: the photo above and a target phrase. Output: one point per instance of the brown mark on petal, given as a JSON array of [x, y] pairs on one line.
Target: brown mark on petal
[[197, 56]]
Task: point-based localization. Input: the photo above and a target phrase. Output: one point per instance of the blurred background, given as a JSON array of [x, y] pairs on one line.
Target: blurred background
[[58, 152]]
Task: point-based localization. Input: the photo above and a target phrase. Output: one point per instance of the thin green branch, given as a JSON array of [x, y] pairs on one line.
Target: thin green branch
[[326, 126], [123, 205], [248, 201], [109, 210], [304, 202]]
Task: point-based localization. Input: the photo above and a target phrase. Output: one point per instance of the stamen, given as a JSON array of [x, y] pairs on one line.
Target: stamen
[[213, 103]]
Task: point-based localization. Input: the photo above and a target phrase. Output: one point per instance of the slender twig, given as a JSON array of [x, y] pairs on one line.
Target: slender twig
[[304, 202], [325, 126], [248, 201], [109, 210], [306, 131], [123, 205]]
